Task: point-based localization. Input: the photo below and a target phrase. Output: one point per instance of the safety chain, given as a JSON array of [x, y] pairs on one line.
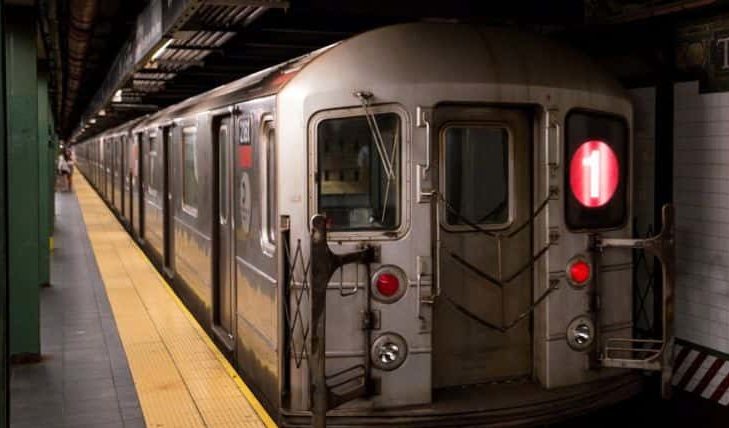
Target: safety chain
[[501, 283]]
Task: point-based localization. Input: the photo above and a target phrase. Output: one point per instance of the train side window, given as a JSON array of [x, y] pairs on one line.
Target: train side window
[[476, 174], [189, 171], [223, 196], [354, 189], [152, 165], [268, 181]]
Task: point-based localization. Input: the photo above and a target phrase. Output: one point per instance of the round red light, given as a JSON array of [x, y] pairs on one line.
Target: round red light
[[387, 284], [594, 173], [579, 272]]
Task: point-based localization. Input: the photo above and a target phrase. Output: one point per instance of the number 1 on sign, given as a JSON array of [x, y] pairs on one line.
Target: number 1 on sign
[[592, 161]]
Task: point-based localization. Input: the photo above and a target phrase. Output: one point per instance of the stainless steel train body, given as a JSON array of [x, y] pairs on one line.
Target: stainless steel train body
[[443, 151]]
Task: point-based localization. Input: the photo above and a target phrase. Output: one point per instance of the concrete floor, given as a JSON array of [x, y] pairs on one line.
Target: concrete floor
[[84, 378]]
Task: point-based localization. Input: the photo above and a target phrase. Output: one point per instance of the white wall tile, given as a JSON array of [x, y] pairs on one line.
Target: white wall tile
[[701, 194]]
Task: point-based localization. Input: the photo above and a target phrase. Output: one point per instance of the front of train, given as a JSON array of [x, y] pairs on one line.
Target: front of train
[[456, 219]]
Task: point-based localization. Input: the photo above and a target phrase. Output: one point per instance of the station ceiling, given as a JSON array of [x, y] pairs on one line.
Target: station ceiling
[[112, 60]]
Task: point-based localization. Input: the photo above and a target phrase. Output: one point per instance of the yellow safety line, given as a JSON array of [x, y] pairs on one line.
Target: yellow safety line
[[252, 400], [257, 407]]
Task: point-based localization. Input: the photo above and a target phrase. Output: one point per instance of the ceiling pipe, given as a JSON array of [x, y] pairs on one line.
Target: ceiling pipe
[[51, 34], [80, 30]]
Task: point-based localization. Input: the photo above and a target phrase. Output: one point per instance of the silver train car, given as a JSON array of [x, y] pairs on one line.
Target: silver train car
[[423, 225]]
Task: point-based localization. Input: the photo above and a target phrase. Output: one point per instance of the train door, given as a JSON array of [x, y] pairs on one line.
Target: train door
[[130, 179], [484, 197], [123, 176], [113, 163], [137, 187], [102, 167], [167, 206], [107, 169], [223, 277]]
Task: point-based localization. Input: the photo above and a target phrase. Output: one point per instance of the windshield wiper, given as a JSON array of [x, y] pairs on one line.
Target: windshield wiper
[[364, 98], [386, 159]]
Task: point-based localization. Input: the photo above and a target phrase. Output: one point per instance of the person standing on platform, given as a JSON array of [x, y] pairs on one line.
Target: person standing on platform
[[64, 169], [70, 156]]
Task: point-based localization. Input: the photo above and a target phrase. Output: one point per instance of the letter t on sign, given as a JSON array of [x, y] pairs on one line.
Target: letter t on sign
[[723, 42]]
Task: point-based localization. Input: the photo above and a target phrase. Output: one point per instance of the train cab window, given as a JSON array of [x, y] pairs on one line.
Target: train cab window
[[476, 175], [189, 171], [358, 178]]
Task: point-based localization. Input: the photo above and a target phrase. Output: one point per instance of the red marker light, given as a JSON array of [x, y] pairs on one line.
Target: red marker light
[[387, 284], [594, 173], [579, 272]]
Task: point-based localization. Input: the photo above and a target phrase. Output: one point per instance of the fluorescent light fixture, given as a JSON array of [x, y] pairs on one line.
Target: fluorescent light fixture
[[92, 120], [162, 49], [102, 112], [117, 96]]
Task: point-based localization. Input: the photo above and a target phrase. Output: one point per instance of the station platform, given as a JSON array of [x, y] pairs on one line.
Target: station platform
[[119, 349]]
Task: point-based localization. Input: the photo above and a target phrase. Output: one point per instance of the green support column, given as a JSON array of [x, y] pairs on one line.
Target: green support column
[[44, 170], [52, 153], [4, 318], [23, 183]]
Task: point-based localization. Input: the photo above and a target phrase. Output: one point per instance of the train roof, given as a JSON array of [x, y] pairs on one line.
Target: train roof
[[415, 53], [266, 82], [420, 54]]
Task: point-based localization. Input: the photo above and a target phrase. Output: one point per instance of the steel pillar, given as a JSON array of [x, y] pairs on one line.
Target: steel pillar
[[23, 183]]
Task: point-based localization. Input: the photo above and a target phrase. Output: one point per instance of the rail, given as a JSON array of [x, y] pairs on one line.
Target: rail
[[649, 354]]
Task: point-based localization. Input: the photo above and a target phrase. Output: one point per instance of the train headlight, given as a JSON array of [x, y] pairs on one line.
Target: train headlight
[[578, 272], [581, 333], [389, 284], [388, 351]]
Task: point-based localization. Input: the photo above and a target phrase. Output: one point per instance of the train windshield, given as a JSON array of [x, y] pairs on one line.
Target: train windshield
[[355, 190]]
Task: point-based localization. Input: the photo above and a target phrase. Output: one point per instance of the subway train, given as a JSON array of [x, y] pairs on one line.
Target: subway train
[[427, 224]]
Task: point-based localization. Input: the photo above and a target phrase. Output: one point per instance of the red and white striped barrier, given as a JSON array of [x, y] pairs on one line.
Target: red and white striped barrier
[[701, 373]]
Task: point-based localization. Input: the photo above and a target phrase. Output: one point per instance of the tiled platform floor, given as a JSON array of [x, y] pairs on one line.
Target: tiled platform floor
[[119, 349], [181, 378], [84, 378]]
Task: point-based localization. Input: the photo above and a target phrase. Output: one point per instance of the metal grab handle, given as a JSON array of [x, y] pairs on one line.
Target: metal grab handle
[[422, 121], [342, 291], [423, 170], [554, 148], [418, 299], [663, 247]]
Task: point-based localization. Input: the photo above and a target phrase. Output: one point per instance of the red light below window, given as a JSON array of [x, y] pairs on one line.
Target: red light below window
[[387, 284], [594, 174], [579, 272]]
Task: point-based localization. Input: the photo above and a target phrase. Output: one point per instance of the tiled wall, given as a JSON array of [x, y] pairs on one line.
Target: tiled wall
[[701, 193]]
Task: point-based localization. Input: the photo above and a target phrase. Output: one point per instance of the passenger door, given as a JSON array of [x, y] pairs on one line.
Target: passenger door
[[136, 183], [484, 196], [124, 177], [223, 277], [168, 213]]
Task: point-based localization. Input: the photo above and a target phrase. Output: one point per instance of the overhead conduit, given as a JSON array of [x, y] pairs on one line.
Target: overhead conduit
[[80, 30]]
